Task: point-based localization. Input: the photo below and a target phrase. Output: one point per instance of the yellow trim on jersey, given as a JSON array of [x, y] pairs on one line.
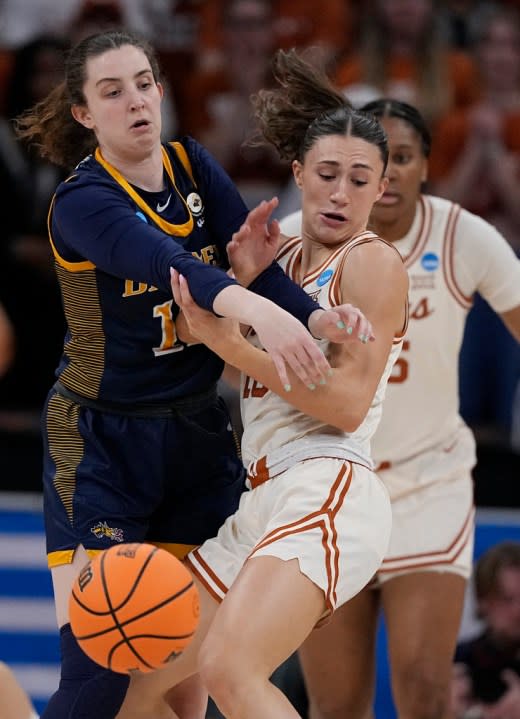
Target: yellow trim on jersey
[[178, 550], [183, 157], [168, 227], [65, 556], [71, 266]]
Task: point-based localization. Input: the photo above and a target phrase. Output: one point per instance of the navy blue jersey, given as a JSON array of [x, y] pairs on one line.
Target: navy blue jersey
[[113, 245]]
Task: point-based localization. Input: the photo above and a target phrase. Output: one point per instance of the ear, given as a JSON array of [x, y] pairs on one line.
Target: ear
[[424, 174], [297, 169], [383, 184], [82, 115], [161, 89]]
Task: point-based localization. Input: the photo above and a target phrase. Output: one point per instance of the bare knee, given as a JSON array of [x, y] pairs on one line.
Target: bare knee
[[352, 703], [420, 694], [228, 675]]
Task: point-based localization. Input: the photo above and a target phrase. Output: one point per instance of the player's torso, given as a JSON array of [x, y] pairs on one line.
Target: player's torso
[[121, 327], [271, 423], [421, 404]]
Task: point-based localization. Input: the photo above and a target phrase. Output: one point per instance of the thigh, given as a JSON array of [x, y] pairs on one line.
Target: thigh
[[102, 477], [338, 658], [422, 614], [204, 478], [268, 612]]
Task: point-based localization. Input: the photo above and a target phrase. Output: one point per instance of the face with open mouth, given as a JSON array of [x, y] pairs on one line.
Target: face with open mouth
[[123, 102], [340, 179], [406, 172]]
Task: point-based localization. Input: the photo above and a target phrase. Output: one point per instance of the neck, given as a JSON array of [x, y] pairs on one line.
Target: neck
[[145, 172], [394, 229]]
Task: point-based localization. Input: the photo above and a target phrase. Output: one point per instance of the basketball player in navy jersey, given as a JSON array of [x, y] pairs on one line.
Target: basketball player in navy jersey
[[138, 446]]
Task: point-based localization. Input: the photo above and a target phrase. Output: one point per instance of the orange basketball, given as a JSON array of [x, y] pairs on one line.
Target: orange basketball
[[134, 606]]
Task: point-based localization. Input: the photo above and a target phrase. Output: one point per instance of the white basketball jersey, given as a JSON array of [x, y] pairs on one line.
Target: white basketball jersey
[[271, 423], [449, 254]]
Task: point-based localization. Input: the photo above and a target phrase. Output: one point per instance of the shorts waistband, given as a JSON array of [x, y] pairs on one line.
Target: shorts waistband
[[183, 406], [267, 467]]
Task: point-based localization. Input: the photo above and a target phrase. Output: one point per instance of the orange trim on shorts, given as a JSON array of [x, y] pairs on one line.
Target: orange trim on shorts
[[382, 466], [261, 473], [203, 580], [432, 562], [329, 535]]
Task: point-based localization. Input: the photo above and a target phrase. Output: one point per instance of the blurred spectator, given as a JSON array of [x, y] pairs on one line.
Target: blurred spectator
[[219, 113], [28, 288], [460, 17], [296, 23], [476, 151], [93, 16], [486, 677], [21, 21], [404, 54], [475, 161]]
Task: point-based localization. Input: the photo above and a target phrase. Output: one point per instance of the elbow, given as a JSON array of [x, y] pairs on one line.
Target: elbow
[[348, 419]]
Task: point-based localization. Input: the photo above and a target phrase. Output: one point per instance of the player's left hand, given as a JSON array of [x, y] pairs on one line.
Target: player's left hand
[[341, 324], [253, 247], [203, 325]]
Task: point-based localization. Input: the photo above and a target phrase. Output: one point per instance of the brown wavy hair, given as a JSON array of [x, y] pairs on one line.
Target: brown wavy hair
[[49, 125], [304, 106]]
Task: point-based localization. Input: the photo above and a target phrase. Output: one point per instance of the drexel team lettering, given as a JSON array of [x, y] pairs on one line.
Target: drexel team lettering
[[209, 255]]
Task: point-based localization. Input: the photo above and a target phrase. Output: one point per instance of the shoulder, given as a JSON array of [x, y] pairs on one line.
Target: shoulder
[[377, 264], [88, 185], [199, 157]]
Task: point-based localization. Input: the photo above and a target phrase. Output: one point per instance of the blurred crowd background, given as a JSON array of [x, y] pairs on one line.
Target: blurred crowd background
[[458, 61]]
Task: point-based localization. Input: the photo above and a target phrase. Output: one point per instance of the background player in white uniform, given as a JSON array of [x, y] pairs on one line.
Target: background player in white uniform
[[424, 452], [316, 524]]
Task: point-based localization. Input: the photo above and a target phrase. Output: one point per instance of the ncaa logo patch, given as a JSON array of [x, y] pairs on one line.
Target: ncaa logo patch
[[430, 262], [324, 277]]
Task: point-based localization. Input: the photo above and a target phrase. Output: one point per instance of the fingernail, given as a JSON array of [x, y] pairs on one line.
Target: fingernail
[[363, 339], [340, 325], [350, 330], [330, 372], [287, 387], [311, 386]]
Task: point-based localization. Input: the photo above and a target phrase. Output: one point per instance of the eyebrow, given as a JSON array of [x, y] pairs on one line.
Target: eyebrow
[[355, 166], [117, 79]]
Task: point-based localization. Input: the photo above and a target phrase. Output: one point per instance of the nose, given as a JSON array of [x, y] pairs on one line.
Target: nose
[[339, 193], [136, 100]]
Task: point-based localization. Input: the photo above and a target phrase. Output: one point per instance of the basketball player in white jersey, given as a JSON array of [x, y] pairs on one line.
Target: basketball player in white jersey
[[315, 526], [424, 452]]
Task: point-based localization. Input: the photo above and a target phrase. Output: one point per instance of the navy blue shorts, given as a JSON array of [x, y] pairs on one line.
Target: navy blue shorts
[[110, 478]]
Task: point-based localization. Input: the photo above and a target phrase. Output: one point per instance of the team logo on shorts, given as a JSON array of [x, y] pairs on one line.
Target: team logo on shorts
[[101, 529], [324, 277], [430, 262]]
